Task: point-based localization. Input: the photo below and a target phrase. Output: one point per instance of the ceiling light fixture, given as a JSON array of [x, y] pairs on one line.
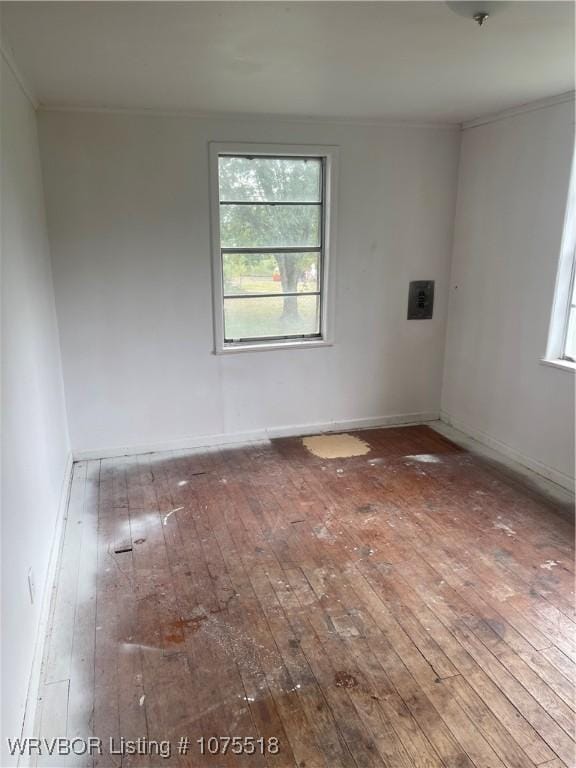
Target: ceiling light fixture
[[478, 10], [480, 17]]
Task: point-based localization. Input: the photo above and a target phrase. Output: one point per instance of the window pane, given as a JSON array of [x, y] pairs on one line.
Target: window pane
[[270, 272], [262, 226], [272, 316], [276, 179], [570, 349], [570, 345]]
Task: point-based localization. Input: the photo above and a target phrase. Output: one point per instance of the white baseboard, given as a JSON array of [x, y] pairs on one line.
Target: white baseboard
[[521, 461], [235, 438], [29, 726]]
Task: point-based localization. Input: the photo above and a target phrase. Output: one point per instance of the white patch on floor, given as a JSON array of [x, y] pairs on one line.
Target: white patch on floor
[[503, 527], [424, 458], [134, 647], [501, 592], [549, 564], [165, 518], [324, 534], [336, 446]]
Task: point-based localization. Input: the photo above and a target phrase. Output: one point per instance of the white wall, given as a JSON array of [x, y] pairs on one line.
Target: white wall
[[128, 212], [512, 194], [34, 435]]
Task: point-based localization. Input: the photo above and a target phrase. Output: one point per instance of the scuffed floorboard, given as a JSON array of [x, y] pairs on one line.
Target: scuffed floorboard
[[412, 606]]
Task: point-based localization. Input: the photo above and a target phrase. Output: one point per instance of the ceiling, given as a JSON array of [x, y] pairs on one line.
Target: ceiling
[[381, 60]]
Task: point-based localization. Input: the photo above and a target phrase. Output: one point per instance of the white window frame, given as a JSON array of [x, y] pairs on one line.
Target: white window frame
[[556, 347], [329, 155]]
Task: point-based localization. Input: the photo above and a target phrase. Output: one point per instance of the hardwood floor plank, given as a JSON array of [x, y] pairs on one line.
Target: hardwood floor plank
[[54, 719], [562, 663], [82, 682], [113, 522], [353, 730], [303, 679], [531, 710], [59, 658], [520, 730], [420, 707], [492, 729], [266, 681], [179, 607]]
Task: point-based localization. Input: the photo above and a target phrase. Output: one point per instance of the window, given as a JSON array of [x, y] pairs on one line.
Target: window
[[271, 230], [569, 345], [561, 350]]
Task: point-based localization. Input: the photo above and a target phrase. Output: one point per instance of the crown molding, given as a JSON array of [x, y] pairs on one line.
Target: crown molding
[[8, 56], [531, 106], [383, 122], [255, 117]]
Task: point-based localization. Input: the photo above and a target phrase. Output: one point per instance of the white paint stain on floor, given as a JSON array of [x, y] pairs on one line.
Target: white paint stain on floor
[[165, 518], [324, 534], [502, 526], [424, 458]]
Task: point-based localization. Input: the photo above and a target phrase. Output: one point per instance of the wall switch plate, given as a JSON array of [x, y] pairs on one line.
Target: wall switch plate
[[421, 300], [31, 586]]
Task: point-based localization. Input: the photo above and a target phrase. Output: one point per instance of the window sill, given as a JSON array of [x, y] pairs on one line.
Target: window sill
[[229, 349], [562, 365]]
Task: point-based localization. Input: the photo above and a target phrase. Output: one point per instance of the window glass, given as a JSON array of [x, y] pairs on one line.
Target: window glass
[[271, 244]]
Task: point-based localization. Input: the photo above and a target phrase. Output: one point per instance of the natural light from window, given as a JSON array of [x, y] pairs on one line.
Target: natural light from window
[[271, 231], [561, 347], [570, 338]]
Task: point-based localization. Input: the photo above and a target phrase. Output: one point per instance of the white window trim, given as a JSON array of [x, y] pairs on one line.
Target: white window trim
[[564, 284], [330, 155]]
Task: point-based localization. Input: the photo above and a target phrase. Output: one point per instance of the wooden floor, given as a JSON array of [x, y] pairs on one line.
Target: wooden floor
[[409, 607]]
